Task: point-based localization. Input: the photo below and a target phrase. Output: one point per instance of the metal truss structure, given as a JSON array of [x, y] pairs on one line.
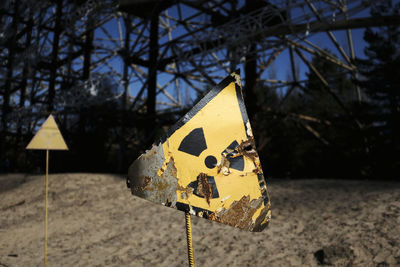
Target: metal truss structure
[[155, 57]]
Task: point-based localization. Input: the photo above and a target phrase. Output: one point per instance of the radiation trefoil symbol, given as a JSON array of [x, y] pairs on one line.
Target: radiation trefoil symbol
[[207, 163]]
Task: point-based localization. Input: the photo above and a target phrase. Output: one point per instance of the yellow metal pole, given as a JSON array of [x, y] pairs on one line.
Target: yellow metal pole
[[46, 208], [189, 239]]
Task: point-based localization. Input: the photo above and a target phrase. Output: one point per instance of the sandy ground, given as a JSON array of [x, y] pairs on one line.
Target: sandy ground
[[95, 221]]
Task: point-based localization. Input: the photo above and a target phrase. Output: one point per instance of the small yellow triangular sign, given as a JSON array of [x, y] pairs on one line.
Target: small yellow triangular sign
[[48, 137]]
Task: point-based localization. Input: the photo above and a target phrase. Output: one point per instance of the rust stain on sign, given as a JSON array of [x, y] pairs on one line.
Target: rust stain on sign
[[186, 191], [240, 213], [247, 148], [146, 181], [204, 188], [206, 165]]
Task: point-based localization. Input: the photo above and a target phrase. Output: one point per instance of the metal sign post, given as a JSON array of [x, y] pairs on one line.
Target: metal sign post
[[189, 239], [47, 138]]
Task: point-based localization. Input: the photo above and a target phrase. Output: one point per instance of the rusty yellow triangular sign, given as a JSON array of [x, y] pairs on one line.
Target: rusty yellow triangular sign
[[207, 164], [48, 137]]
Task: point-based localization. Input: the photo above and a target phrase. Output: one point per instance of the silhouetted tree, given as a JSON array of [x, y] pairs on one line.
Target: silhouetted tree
[[381, 83], [309, 134]]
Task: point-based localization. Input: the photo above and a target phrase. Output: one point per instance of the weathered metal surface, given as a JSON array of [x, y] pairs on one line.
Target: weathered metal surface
[[148, 184], [207, 163]]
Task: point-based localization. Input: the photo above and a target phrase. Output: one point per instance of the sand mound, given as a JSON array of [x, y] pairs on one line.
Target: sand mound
[[95, 221]]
